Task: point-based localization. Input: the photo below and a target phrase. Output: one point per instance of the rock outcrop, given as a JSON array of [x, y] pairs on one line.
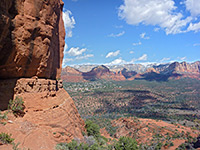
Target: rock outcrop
[[183, 68], [161, 72], [50, 116], [145, 130], [31, 38], [31, 51], [128, 74], [70, 74]]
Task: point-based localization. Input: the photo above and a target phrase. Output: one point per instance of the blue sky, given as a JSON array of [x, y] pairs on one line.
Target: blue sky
[[131, 31]]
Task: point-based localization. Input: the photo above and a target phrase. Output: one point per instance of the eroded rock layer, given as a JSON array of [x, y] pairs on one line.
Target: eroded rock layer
[[31, 38], [31, 51], [50, 116]]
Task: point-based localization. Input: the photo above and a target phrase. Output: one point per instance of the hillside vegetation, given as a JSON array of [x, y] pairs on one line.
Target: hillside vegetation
[[109, 103]]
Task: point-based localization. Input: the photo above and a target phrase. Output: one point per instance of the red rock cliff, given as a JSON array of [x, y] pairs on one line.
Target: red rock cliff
[[31, 38], [31, 51]]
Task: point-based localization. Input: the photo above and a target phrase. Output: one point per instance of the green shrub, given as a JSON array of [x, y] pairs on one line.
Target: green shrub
[[158, 146], [17, 106], [126, 143], [15, 146], [73, 145], [3, 116], [92, 129], [6, 138]]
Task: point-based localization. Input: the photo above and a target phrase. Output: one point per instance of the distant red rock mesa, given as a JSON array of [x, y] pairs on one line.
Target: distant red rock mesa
[[161, 72]]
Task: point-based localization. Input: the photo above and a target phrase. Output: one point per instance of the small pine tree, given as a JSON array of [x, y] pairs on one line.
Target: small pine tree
[[17, 106], [92, 129]]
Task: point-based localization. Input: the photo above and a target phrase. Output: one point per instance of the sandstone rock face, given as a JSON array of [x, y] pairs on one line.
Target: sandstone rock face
[[50, 116], [70, 74], [31, 51], [128, 74], [103, 72], [183, 68], [31, 38]]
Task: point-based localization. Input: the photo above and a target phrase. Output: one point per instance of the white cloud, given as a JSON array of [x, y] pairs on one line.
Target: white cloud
[[143, 36], [139, 43], [193, 6], [164, 59], [65, 48], [75, 51], [117, 62], [69, 22], [84, 57], [117, 35], [143, 57], [131, 52], [113, 54], [65, 60], [182, 58], [154, 12], [156, 29], [194, 27], [64, 63]]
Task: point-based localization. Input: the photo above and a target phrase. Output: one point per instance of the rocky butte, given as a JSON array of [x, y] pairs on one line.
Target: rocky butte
[[31, 51]]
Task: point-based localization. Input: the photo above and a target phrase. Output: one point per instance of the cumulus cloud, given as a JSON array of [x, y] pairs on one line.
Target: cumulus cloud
[[193, 6], [131, 52], [194, 27], [182, 58], [69, 22], [156, 29], [154, 12], [65, 48], [164, 59], [117, 35], [113, 54], [84, 57], [117, 61], [139, 43], [142, 58], [143, 36], [67, 60], [75, 51]]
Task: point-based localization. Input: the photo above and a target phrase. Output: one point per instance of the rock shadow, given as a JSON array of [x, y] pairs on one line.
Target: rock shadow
[[6, 92]]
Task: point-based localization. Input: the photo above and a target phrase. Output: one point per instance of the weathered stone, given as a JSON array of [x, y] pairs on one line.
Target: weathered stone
[[49, 110], [31, 38]]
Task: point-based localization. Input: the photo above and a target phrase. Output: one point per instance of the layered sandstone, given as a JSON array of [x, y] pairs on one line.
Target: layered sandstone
[[31, 38], [50, 116], [31, 51], [70, 74]]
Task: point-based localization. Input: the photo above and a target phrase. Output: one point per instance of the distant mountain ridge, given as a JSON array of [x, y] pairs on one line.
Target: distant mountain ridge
[[160, 72]]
